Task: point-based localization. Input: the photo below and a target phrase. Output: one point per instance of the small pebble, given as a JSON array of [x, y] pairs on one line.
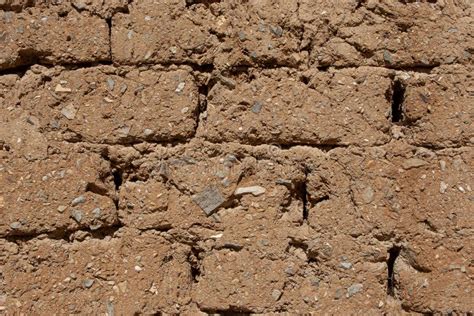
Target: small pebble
[[97, 212], [77, 215], [346, 265], [277, 30], [79, 200], [387, 57], [290, 271], [339, 293], [283, 181], [442, 165], [95, 226], [15, 225], [79, 5], [69, 111], [111, 84], [254, 190], [60, 88], [147, 132], [110, 308], [180, 87], [368, 195], [123, 131], [443, 187], [276, 294], [354, 289], [87, 283], [257, 107]]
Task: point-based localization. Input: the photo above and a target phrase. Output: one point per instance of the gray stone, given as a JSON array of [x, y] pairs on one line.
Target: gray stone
[[339, 293], [124, 131], [97, 212], [354, 289], [290, 271], [413, 163], [69, 111], [164, 170], [77, 215], [209, 200], [79, 5], [110, 308], [110, 84], [123, 88], [346, 265], [79, 200], [229, 83], [283, 182], [387, 57], [15, 225], [368, 195], [257, 107], [315, 282], [276, 294], [276, 30], [87, 283], [95, 226]]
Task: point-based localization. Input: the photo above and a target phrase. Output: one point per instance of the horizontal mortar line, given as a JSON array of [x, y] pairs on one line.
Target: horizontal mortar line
[[104, 231], [283, 147], [205, 68], [60, 234]]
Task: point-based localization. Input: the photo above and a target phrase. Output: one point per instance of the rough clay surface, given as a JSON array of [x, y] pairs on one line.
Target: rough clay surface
[[236, 157]]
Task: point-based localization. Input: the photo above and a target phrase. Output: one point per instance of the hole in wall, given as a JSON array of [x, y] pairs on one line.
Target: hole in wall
[[118, 179], [393, 254], [397, 99]]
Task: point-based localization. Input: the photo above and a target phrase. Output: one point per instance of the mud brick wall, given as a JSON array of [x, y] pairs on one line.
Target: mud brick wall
[[236, 157]]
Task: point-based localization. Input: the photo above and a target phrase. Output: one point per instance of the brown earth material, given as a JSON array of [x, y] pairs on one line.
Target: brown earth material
[[236, 157]]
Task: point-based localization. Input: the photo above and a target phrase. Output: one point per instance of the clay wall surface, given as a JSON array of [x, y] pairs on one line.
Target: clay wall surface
[[236, 157]]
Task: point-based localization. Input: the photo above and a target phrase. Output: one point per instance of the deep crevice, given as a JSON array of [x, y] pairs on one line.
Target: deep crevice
[[109, 25], [203, 91], [194, 261], [360, 3], [304, 197], [118, 178], [231, 311], [397, 97], [207, 3], [393, 254]]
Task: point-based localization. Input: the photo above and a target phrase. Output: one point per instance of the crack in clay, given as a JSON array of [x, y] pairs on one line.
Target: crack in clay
[[65, 234]]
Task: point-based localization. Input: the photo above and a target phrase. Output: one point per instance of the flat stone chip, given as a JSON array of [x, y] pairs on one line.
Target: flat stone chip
[[209, 200]]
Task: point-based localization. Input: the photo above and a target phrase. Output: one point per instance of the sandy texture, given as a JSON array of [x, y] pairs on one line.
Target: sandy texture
[[236, 157]]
